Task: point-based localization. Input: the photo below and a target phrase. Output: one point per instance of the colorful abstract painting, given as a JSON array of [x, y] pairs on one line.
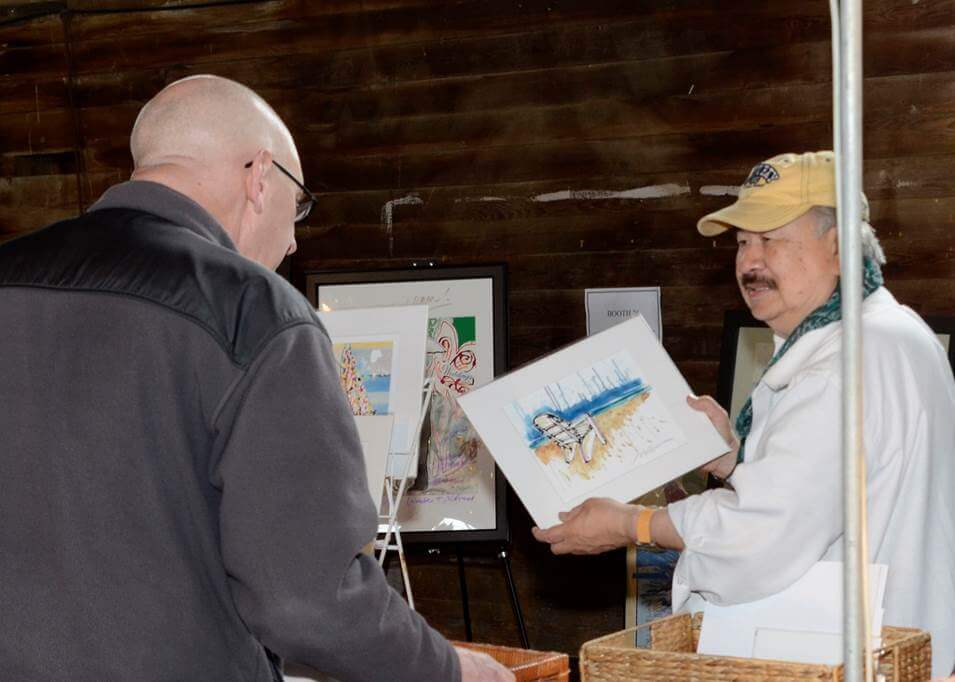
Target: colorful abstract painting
[[594, 425], [365, 370], [453, 446], [457, 492]]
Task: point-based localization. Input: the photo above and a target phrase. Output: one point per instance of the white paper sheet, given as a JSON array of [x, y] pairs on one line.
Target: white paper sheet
[[387, 350], [374, 432], [789, 624], [608, 307]]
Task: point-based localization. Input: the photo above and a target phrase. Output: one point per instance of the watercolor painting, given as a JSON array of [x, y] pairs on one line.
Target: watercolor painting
[[594, 425], [450, 469], [365, 371]]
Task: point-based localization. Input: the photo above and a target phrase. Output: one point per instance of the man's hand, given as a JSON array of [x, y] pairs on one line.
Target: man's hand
[[592, 527], [722, 466], [478, 667]]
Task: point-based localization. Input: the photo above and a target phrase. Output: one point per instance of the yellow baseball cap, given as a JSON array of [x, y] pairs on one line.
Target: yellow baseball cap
[[776, 192]]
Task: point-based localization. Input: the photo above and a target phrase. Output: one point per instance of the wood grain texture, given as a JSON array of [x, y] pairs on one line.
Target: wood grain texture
[[577, 141]]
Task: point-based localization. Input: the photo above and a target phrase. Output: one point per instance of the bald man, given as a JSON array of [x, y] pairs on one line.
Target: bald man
[[182, 484]]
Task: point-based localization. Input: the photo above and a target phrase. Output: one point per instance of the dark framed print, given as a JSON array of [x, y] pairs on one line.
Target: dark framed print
[[748, 347], [944, 328], [745, 352], [458, 493]]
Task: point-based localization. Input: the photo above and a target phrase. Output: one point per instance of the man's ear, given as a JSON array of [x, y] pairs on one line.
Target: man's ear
[[833, 236], [255, 179], [832, 247]]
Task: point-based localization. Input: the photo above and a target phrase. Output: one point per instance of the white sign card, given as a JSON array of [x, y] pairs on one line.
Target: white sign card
[[606, 416], [381, 355], [374, 432], [802, 623], [607, 307]]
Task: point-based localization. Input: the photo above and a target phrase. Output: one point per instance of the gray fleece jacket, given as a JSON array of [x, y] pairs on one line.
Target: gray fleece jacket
[[181, 482]]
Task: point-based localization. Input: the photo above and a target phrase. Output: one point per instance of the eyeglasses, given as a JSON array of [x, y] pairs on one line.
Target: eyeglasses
[[303, 206]]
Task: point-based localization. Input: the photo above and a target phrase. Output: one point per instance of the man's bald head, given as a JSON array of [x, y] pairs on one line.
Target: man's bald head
[[216, 141], [207, 120]]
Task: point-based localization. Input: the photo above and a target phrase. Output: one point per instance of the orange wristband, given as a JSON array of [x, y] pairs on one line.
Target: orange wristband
[[643, 526]]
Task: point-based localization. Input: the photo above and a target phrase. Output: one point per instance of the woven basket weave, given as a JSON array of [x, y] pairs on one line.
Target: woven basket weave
[[527, 665], [905, 656]]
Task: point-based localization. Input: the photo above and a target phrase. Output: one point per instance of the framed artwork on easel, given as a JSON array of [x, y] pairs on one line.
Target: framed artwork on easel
[[458, 493]]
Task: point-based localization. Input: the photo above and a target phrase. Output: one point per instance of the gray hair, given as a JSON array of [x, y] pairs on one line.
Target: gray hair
[[826, 219]]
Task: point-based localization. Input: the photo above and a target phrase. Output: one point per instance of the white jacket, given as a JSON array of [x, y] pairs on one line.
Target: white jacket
[[785, 510]]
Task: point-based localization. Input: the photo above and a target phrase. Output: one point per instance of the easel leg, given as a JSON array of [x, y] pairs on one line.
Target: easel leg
[[394, 499], [404, 569], [395, 502], [465, 604], [515, 603]]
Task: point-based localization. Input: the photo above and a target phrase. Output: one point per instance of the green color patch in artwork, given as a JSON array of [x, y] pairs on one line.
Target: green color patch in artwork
[[466, 328]]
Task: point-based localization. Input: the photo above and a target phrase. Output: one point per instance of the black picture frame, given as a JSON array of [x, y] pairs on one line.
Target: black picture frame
[[944, 328], [497, 274], [736, 321]]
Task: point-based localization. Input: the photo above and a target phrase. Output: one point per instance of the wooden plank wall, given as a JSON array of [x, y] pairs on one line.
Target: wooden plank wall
[[576, 140]]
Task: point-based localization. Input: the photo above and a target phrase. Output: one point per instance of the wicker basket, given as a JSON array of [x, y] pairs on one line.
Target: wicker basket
[[527, 665], [905, 656]]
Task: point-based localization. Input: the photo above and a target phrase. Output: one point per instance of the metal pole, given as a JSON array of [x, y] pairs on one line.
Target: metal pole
[[849, 157]]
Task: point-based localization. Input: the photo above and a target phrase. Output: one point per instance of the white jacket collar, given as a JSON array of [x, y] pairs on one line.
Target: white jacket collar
[[812, 343]]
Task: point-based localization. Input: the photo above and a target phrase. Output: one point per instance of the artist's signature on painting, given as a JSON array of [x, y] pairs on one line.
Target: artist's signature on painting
[[430, 299], [430, 499]]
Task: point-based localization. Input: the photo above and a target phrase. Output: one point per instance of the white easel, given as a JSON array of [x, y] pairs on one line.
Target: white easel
[[395, 489]]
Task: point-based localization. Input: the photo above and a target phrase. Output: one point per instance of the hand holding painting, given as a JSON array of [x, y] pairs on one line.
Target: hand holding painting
[[606, 417], [600, 524], [723, 466], [592, 527]]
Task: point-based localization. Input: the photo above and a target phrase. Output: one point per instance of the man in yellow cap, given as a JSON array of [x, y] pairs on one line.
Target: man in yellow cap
[[781, 510]]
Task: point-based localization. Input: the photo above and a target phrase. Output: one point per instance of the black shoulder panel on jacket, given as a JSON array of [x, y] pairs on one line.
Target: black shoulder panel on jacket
[[132, 253]]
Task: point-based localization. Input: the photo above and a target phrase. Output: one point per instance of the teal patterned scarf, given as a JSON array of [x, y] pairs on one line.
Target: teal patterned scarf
[[827, 313]]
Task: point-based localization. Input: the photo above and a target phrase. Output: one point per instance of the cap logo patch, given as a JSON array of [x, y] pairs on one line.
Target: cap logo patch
[[763, 174]]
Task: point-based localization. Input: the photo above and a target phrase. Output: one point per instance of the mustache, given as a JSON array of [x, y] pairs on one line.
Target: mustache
[[749, 278]]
